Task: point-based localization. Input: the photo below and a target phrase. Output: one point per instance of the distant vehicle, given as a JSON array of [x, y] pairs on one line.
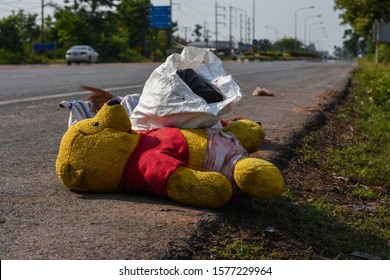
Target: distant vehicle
[[79, 54], [236, 53]]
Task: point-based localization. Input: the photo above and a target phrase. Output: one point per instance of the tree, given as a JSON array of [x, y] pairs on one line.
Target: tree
[[17, 34], [288, 45], [68, 25], [18, 31], [362, 14], [134, 21], [117, 29], [10, 35], [89, 22], [264, 45], [197, 32], [352, 42], [95, 5]]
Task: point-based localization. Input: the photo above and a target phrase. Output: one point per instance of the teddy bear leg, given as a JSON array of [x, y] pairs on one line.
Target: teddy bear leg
[[258, 178], [200, 189]]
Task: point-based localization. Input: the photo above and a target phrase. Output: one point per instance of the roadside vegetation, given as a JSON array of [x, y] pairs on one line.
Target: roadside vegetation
[[337, 199]]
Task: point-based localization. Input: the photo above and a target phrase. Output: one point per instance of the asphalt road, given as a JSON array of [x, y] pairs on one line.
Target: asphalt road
[[39, 219]]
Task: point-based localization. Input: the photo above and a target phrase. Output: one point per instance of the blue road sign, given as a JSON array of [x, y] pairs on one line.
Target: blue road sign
[[160, 16], [44, 46], [255, 42]]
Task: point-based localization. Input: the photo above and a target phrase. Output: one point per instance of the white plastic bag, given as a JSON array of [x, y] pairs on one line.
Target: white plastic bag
[[167, 101], [80, 110]]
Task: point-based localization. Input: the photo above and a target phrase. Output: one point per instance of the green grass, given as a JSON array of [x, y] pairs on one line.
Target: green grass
[[364, 153], [329, 218], [367, 156], [364, 157]]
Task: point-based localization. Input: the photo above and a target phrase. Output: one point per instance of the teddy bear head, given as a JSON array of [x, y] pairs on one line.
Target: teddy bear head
[[94, 151]]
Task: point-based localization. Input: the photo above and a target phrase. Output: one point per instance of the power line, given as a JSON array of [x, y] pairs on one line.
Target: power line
[[204, 4], [190, 6], [32, 5]]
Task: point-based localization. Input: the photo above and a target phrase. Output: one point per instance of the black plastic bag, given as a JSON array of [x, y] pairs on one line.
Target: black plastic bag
[[199, 86]]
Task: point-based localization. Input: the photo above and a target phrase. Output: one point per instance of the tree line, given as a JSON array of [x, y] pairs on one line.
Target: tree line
[[119, 30]]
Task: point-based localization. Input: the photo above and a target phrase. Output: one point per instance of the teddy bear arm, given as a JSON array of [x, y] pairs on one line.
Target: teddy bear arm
[[200, 189], [249, 133]]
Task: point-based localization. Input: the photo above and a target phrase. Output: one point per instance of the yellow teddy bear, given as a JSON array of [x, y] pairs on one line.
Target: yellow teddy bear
[[198, 167]]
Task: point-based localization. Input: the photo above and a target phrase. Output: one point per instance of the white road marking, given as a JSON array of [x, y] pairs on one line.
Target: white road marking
[[52, 96]]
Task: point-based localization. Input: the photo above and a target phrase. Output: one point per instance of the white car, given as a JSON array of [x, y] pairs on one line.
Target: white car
[[81, 54]]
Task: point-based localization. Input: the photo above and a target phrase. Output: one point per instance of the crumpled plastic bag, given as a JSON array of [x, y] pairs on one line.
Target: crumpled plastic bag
[[167, 101], [80, 110]]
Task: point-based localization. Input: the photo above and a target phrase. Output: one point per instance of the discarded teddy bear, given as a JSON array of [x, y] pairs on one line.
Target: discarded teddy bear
[[197, 167]]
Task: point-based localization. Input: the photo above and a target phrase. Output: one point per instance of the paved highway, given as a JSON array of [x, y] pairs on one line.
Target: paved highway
[[39, 219], [20, 82]]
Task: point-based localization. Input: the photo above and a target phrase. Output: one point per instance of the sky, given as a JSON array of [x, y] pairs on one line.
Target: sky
[[274, 19]]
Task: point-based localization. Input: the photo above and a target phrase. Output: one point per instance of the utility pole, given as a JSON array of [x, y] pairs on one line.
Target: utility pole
[[185, 33], [377, 39], [42, 20], [230, 28], [217, 22], [241, 39], [249, 30], [254, 14], [243, 22], [206, 34]]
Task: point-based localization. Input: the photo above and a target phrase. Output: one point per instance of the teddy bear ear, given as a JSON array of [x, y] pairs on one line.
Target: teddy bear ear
[[70, 177], [113, 115]]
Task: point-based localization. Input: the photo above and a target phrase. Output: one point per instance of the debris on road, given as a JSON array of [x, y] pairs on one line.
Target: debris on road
[[270, 229], [262, 92]]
